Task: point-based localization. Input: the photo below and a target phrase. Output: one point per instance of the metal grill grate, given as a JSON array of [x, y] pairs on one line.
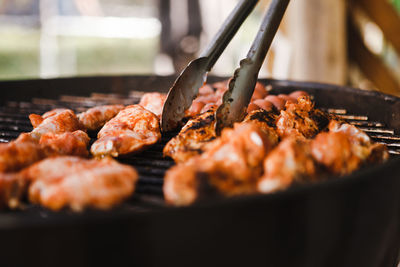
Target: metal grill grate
[[150, 163]]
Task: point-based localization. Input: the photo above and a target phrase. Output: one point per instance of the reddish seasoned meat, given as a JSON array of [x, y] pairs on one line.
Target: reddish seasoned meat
[[290, 162], [55, 121], [26, 150], [301, 119], [13, 187], [265, 120], [17, 155], [335, 151], [95, 118], [74, 144], [133, 129], [77, 183], [192, 138], [346, 148], [153, 102], [230, 166]]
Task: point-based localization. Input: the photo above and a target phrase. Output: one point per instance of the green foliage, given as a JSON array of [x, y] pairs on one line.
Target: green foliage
[[19, 55]]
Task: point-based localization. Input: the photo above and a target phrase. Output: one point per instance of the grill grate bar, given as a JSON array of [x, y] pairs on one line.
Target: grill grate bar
[[368, 124], [376, 130], [337, 111], [390, 144], [353, 117], [385, 137]]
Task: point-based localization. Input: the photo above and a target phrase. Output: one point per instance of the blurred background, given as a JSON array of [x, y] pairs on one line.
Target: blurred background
[[347, 42]]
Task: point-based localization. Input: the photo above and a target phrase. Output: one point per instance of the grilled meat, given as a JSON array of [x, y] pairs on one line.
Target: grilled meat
[[78, 183], [230, 166], [301, 119], [291, 161], [192, 138], [265, 120], [355, 135], [19, 154], [197, 132], [153, 102], [95, 118], [55, 121], [26, 150], [346, 148], [13, 187], [337, 153], [133, 129], [69, 143], [209, 97], [273, 102]]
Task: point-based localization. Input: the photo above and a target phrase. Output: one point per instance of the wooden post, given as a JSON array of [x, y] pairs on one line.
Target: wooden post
[[317, 31]]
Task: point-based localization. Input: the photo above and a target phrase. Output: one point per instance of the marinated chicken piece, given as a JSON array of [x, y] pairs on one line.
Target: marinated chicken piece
[[95, 118], [265, 120], [19, 154], [36, 119], [13, 187], [237, 157], [346, 148], [26, 150], [378, 153], [153, 102], [301, 119], [290, 162], [55, 121], [133, 129], [337, 153], [192, 138], [73, 144], [78, 183], [186, 183], [355, 134], [195, 135], [230, 166]]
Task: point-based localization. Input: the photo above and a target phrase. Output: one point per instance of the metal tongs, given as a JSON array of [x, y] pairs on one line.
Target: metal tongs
[[241, 87]]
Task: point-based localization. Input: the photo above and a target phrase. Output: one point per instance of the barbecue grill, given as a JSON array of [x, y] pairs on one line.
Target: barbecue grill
[[349, 221]]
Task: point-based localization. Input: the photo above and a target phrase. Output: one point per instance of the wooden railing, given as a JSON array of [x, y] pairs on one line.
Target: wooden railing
[[384, 15]]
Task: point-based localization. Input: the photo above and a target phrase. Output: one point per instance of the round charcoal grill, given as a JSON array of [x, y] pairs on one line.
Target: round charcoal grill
[[347, 221]]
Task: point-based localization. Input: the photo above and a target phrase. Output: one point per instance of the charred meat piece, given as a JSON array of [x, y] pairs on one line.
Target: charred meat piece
[[230, 166], [69, 143], [209, 97], [13, 187], [95, 118], [77, 183], [301, 119], [192, 138], [55, 121], [290, 162], [265, 120], [133, 129], [153, 102], [199, 131]]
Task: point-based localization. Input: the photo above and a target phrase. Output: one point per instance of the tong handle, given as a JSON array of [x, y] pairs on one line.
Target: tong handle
[[227, 31], [241, 86], [267, 31]]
